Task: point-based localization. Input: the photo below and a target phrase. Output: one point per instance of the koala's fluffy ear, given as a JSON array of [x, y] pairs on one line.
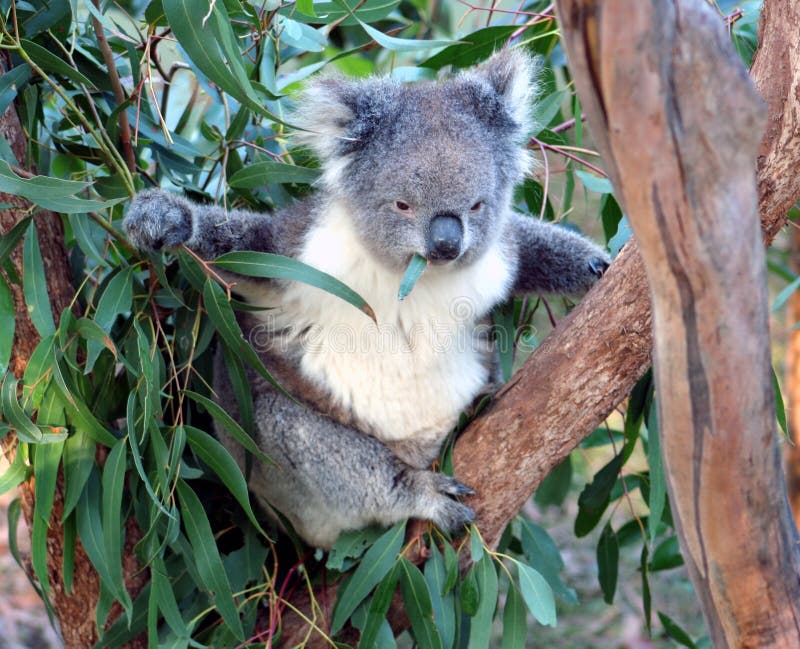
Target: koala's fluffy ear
[[323, 112], [512, 75]]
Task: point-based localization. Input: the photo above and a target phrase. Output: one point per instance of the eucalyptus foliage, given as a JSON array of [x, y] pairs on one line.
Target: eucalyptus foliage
[[193, 96]]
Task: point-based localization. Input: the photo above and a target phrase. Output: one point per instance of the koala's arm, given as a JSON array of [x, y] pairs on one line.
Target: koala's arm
[[158, 219], [553, 259], [329, 478]]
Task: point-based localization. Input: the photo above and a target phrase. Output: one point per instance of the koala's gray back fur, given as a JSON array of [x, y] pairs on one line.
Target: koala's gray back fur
[[425, 169]]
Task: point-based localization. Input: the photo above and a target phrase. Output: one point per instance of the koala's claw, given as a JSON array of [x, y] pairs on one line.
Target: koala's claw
[[158, 219], [453, 487], [599, 265], [452, 516]]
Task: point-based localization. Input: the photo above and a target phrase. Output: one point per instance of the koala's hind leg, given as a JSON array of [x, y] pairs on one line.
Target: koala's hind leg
[[329, 478]]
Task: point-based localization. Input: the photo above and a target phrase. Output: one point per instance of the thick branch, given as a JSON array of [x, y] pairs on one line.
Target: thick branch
[[673, 81]]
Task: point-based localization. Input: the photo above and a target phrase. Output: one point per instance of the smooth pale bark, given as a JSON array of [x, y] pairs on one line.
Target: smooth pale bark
[[678, 124]]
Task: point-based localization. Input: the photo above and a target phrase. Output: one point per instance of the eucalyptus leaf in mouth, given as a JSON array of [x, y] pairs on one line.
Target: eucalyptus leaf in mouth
[[414, 271]]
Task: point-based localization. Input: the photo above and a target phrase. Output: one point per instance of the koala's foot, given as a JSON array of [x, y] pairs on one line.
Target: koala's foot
[[599, 265], [448, 514], [158, 219]]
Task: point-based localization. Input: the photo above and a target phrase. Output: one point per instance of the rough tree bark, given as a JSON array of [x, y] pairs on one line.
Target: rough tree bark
[[75, 611], [673, 81]]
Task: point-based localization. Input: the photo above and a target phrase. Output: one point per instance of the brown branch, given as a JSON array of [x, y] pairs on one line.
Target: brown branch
[[119, 94]]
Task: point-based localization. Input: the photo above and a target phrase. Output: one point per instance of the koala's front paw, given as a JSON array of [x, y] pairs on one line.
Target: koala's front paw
[[448, 514], [158, 219]]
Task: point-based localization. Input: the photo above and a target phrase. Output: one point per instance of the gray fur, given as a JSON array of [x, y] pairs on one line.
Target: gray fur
[[452, 148]]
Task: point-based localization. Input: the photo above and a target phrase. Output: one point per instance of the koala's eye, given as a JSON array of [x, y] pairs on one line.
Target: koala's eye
[[402, 206], [476, 207]]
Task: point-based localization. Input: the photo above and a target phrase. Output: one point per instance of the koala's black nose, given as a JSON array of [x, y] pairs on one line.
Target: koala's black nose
[[444, 237]]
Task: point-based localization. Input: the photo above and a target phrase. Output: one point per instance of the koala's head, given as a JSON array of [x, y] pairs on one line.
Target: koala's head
[[424, 168]]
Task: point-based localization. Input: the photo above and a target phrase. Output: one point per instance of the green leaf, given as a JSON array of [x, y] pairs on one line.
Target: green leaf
[[11, 238], [225, 420], [50, 193], [646, 599], [240, 385], [7, 324], [667, 555], [346, 11], [515, 627], [35, 285], [785, 294], [537, 594], [542, 552], [187, 18], [208, 562], [13, 413], [780, 409], [79, 454], [39, 552], [401, 44], [10, 81], [608, 563], [46, 460], [658, 486], [52, 63], [88, 516], [554, 488], [443, 602], [268, 172], [79, 413], [351, 545], [68, 557], [375, 565], [221, 314], [480, 630], [162, 590], [416, 267], [113, 484], [217, 458], [268, 265], [14, 474], [378, 607], [470, 595], [418, 606], [674, 631], [595, 496], [116, 299], [476, 47], [594, 183]]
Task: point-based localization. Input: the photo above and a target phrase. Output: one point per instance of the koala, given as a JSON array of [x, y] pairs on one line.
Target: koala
[[426, 168]]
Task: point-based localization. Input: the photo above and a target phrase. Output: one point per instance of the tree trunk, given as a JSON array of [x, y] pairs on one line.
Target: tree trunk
[[672, 80], [74, 611]]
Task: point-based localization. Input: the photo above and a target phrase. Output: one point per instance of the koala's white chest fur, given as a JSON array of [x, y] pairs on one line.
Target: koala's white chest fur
[[409, 376]]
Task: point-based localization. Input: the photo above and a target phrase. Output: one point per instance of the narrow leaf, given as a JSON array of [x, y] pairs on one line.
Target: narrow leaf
[[608, 563], [268, 172], [113, 483], [402, 44], [658, 485], [208, 562], [416, 267], [375, 565], [35, 285], [418, 606], [515, 627], [268, 265], [537, 594], [378, 607]]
